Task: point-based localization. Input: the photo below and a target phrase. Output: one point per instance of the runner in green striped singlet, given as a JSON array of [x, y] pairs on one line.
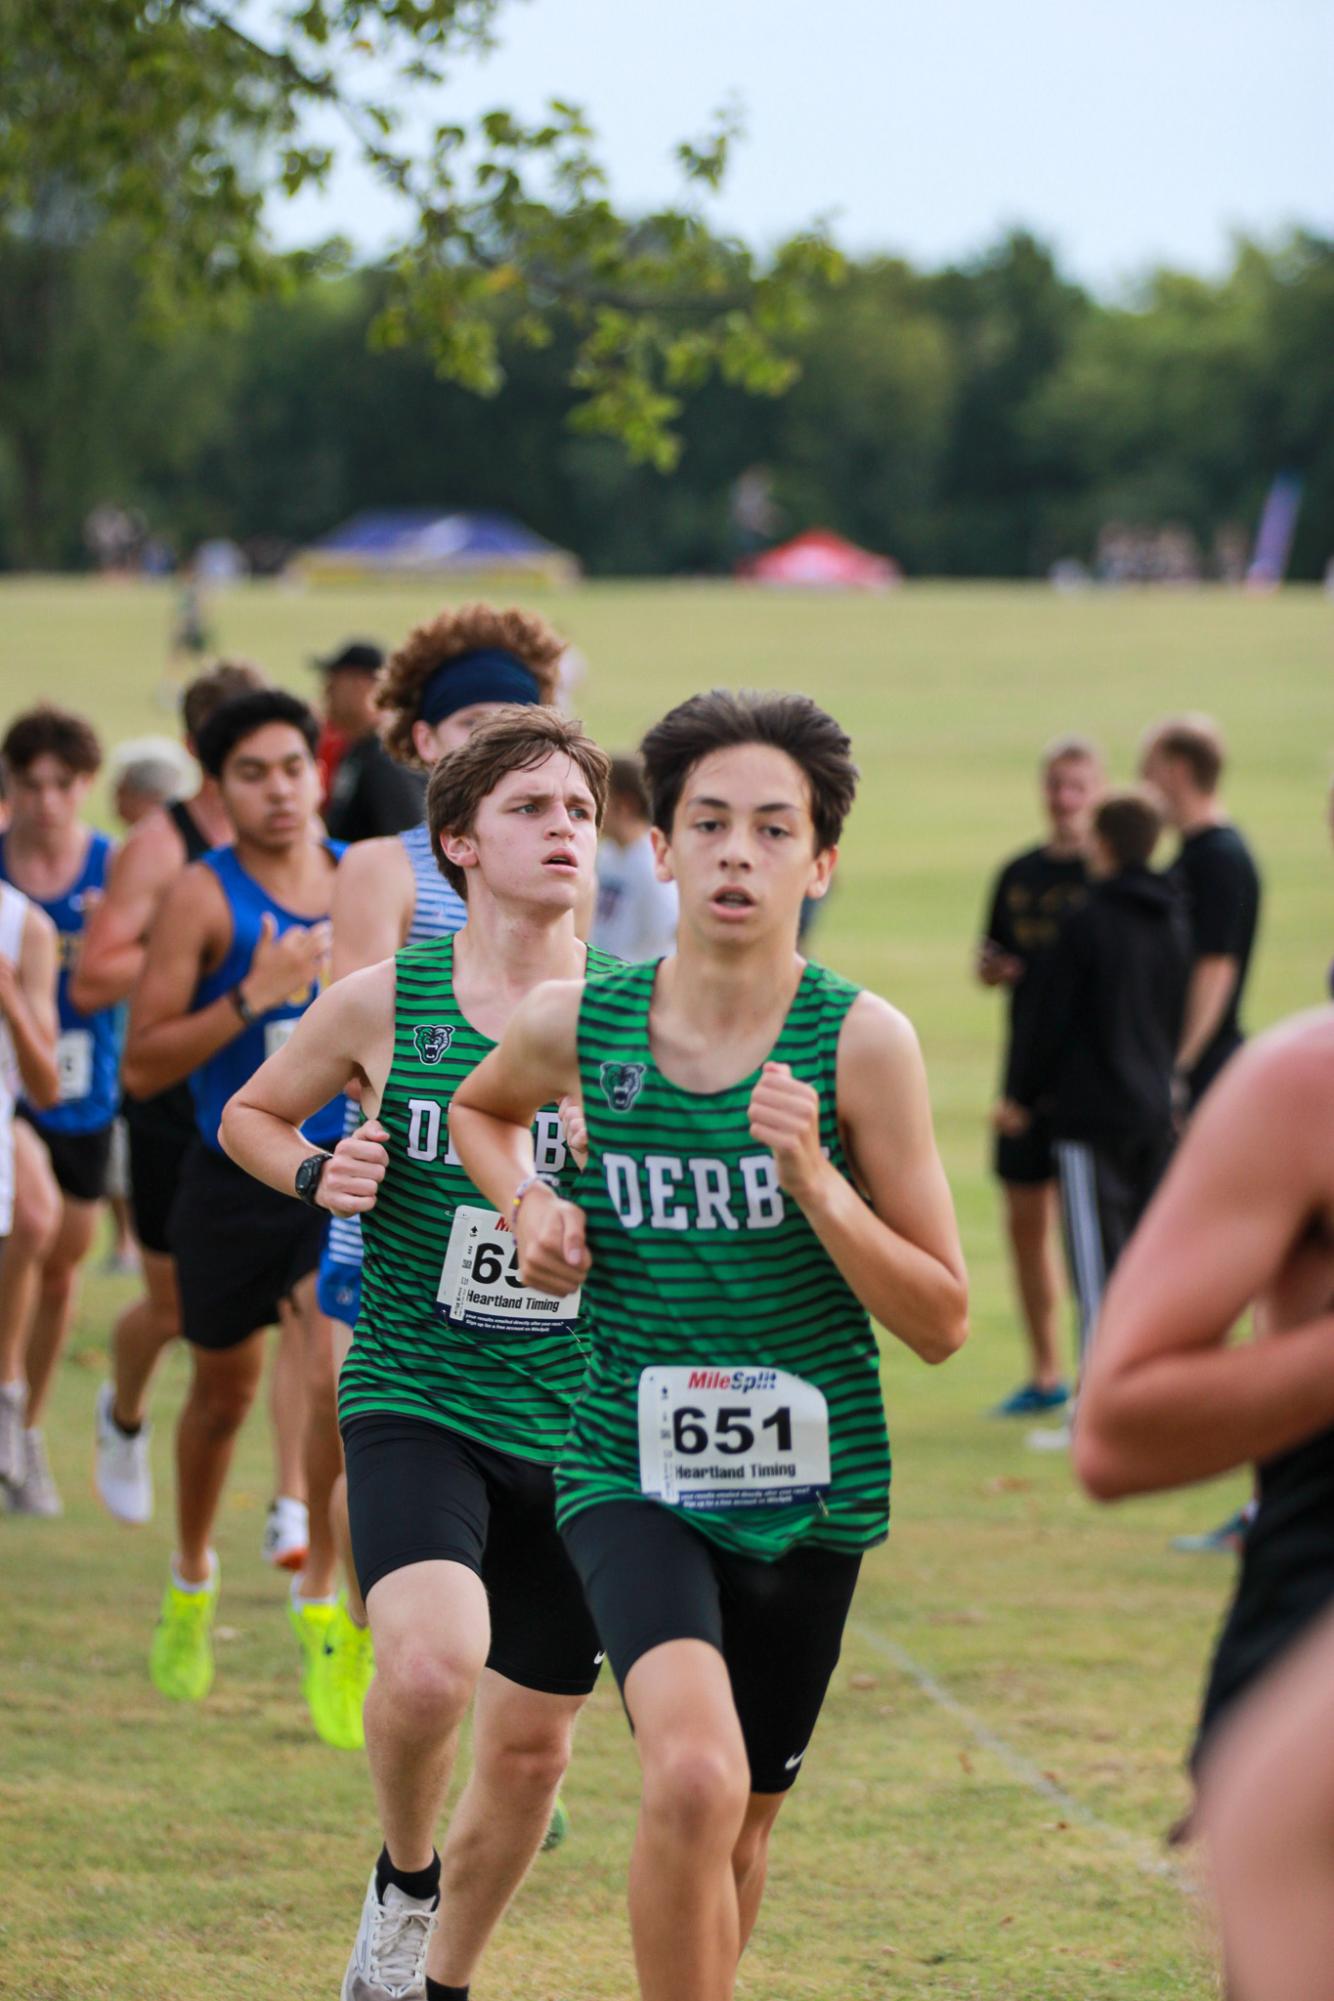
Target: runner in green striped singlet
[[456, 1396], [762, 1178]]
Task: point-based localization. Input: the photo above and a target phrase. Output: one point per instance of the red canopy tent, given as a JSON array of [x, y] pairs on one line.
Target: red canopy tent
[[821, 560]]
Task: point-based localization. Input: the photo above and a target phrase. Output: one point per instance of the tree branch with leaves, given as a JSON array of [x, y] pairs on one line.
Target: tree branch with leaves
[[186, 118]]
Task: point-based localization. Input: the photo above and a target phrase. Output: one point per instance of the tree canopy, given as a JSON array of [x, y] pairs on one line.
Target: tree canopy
[[179, 119]]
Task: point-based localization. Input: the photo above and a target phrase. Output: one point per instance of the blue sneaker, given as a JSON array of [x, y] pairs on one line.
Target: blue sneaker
[[1032, 1401], [1228, 1539]]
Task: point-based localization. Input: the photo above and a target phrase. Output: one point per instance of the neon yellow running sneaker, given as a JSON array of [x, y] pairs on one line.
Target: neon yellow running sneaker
[[338, 1681], [180, 1660], [310, 1623]]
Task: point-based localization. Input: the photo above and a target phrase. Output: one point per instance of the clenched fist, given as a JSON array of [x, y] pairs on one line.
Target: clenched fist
[[288, 966], [785, 1117], [552, 1241], [350, 1183]]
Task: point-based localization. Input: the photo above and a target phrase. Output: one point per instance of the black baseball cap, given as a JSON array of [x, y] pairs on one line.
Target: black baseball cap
[[360, 656]]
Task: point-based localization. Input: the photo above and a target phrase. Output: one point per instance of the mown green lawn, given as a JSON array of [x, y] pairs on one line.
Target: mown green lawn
[[152, 1854]]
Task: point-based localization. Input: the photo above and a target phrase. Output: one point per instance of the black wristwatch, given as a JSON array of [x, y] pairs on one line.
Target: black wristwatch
[[307, 1182], [243, 1007]]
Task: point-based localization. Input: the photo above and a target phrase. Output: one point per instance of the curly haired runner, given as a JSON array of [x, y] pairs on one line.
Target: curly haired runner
[[451, 673]]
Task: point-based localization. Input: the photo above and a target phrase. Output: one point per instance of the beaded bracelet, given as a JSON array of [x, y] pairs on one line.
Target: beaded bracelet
[[529, 1182]]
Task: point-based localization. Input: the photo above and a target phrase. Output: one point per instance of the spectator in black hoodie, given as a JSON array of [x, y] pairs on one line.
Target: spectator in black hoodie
[[1100, 1057]]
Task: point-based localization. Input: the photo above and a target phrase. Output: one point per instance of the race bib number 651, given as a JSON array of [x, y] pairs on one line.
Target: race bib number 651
[[731, 1437]]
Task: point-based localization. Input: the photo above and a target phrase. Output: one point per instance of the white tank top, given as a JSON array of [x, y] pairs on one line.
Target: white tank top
[[13, 911]]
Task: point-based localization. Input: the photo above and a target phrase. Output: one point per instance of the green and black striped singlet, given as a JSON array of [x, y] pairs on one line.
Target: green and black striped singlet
[[510, 1386], [700, 1263]]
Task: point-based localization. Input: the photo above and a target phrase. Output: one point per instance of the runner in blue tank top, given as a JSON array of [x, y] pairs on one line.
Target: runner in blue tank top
[[239, 950], [50, 759], [161, 1128], [446, 677]]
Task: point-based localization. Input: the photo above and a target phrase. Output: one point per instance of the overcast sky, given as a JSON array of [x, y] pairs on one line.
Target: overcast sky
[[1127, 132]]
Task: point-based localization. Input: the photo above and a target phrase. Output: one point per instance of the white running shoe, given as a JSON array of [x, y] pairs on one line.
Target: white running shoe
[[123, 1474], [36, 1493], [1055, 1438], [13, 1403], [286, 1534], [388, 1961]]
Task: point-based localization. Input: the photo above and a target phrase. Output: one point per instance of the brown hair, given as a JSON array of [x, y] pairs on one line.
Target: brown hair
[[627, 784], [722, 720], [1066, 749], [515, 738], [457, 630], [1198, 742], [205, 695], [1128, 822], [49, 731]]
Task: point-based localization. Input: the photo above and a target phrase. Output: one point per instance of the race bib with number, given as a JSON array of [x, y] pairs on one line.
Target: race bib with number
[[731, 1438], [74, 1064], [479, 1286], [276, 1033]]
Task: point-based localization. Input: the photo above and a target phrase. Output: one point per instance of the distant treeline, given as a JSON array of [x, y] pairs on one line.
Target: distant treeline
[[987, 419]]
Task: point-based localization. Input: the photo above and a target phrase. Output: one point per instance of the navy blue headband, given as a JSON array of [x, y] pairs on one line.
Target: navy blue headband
[[487, 675]]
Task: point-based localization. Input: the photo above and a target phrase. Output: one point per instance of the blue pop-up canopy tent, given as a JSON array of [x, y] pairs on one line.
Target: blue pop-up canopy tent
[[425, 541]]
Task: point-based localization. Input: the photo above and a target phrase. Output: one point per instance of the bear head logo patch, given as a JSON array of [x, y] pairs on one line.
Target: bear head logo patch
[[622, 1083], [431, 1043]]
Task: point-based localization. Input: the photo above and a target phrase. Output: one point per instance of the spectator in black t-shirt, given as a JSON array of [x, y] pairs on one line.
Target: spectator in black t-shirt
[[1106, 1024], [1032, 896], [370, 793], [1214, 871]]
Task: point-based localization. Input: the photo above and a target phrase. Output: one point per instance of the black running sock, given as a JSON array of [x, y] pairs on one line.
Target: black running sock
[[437, 1991], [418, 1883]]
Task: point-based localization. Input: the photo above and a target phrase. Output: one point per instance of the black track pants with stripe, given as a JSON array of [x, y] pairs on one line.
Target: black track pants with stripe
[[1105, 1188]]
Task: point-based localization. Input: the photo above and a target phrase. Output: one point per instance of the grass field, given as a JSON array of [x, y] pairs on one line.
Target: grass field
[[986, 1828]]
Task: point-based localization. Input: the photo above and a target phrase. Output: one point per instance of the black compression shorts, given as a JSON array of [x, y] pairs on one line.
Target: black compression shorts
[[650, 1577], [79, 1161], [157, 1157], [240, 1247], [420, 1493]]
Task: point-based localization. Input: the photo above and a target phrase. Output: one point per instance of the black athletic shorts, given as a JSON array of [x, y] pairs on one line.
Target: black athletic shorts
[[157, 1157], [240, 1247], [650, 1577], [79, 1161], [1026, 1159], [1285, 1582], [420, 1493]]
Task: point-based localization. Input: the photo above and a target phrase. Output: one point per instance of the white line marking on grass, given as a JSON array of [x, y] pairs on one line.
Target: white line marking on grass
[[1023, 1769]]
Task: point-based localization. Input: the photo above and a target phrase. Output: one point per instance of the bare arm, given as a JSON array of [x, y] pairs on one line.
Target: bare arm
[[1213, 982], [1166, 1400], [344, 1036], [28, 1004], [371, 911], [901, 1255], [111, 954], [490, 1124], [166, 1039]]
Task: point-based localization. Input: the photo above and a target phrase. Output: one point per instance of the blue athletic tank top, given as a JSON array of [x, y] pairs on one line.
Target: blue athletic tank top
[[214, 1082], [88, 1052], [437, 909]]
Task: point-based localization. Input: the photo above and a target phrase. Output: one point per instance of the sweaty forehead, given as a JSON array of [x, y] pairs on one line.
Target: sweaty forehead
[[48, 769], [273, 744], [747, 775], [556, 773]]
